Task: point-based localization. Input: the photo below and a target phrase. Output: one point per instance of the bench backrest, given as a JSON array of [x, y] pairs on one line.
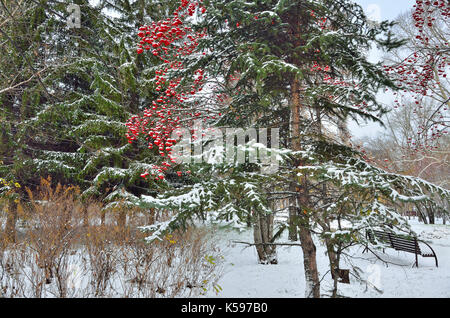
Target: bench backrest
[[397, 242]]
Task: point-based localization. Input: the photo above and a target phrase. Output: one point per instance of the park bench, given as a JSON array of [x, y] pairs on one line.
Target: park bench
[[401, 243]]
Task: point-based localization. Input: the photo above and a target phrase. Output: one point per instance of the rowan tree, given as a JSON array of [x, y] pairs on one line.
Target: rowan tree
[[421, 68]]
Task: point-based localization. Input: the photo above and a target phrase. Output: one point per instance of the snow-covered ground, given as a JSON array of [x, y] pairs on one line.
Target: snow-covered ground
[[244, 277]]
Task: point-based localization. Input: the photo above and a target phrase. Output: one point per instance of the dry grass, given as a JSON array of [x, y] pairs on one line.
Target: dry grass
[[69, 248]]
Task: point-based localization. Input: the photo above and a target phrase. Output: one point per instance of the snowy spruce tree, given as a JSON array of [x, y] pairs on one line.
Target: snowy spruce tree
[[77, 86]]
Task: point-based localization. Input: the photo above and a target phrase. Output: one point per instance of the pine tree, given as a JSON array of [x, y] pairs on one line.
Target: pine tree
[[301, 51]]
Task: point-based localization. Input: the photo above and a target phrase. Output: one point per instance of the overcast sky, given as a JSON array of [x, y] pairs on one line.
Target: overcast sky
[[379, 10]]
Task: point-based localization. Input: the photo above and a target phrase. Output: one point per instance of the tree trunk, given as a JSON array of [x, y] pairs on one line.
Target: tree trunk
[[421, 215], [263, 233], [431, 218], [334, 265], [430, 213], [312, 289], [293, 235], [307, 243]]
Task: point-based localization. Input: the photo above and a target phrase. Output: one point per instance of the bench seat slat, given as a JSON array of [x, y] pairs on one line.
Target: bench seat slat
[[412, 244], [413, 251], [407, 248]]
